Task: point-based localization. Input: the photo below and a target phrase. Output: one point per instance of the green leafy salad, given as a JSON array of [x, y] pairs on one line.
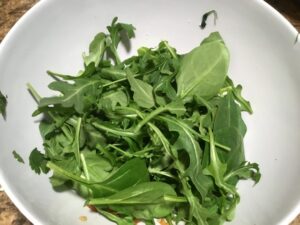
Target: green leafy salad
[[157, 135]]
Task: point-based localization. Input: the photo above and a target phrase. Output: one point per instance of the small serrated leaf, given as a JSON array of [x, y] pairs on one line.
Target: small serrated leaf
[[142, 92], [18, 157], [37, 161]]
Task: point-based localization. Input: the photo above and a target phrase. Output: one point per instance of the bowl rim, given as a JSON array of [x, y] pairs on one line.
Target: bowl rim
[[43, 3]]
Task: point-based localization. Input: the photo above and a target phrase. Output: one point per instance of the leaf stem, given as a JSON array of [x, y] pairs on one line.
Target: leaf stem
[[225, 89], [172, 52], [206, 139], [84, 167], [149, 117], [66, 133], [38, 98], [77, 144], [120, 150], [141, 152], [114, 131], [34, 93], [116, 55], [171, 198], [104, 201], [118, 81], [163, 173]]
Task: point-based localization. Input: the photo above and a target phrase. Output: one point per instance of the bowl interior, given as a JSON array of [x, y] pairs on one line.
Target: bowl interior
[[264, 59]]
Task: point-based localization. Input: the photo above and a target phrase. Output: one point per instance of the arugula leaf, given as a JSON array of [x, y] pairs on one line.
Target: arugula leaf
[[3, 104], [217, 170], [203, 70], [111, 99], [115, 29], [187, 142], [229, 131], [79, 95], [95, 167], [94, 138], [129, 174], [155, 199], [37, 162], [88, 71], [164, 86], [60, 181], [115, 36], [245, 171], [113, 73], [18, 157], [143, 92], [96, 50], [237, 93]]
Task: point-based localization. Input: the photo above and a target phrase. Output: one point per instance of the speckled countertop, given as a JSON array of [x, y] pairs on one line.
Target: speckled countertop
[[12, 10]]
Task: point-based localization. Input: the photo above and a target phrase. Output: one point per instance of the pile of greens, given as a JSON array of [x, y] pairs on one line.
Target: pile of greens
[[158, 135]]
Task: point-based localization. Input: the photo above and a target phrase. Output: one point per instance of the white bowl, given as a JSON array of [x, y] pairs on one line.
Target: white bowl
[[264, 58]]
